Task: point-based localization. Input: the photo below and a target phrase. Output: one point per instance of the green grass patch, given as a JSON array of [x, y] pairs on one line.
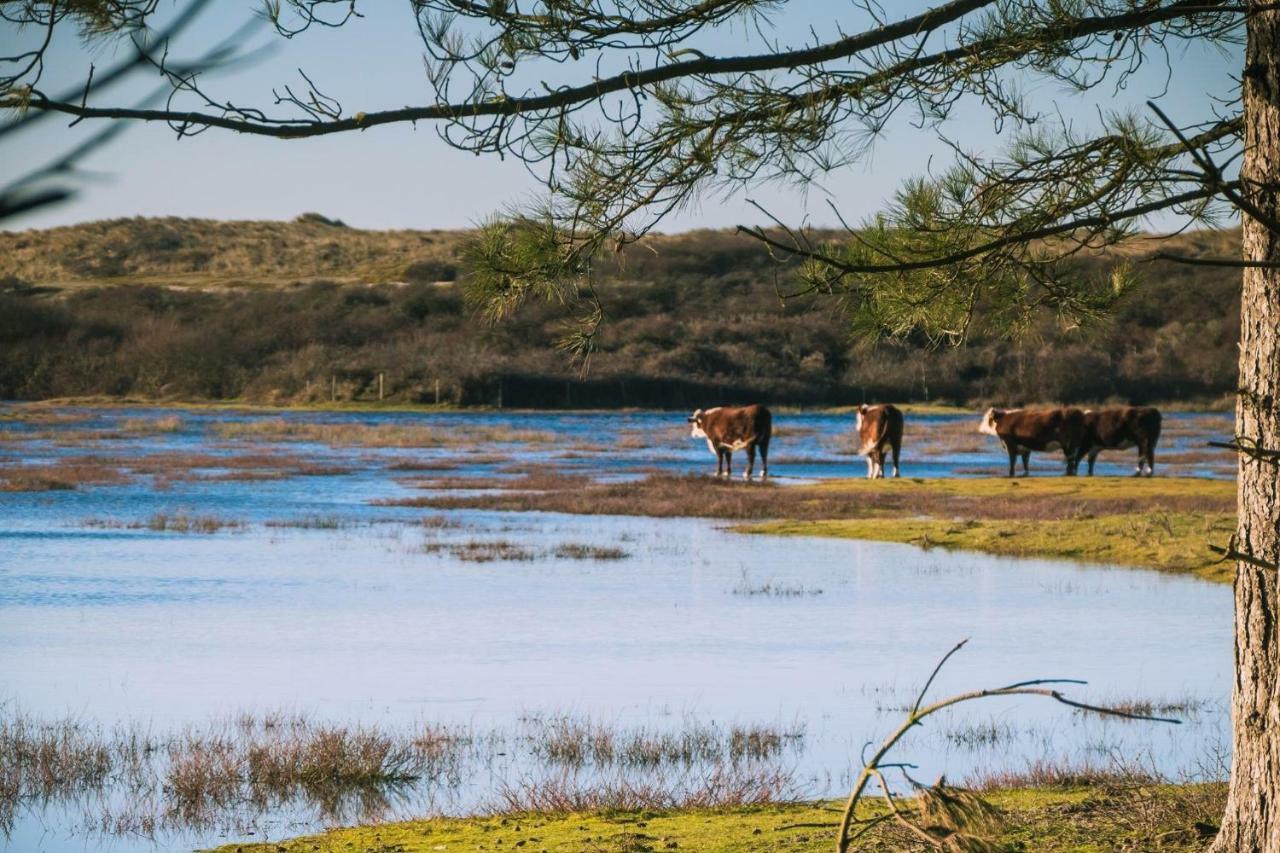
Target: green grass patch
[[1156, 529], [1152, 523], [1087, 488], [1084, 820]]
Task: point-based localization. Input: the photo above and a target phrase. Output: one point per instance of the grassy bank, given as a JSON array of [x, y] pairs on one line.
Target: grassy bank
[[1161, 523], [1167, 541], [1164, 817], [1102, 520]]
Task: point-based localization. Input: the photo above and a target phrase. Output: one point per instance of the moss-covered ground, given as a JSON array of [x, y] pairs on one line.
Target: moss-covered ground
[[1125, 521], [1088, 820]]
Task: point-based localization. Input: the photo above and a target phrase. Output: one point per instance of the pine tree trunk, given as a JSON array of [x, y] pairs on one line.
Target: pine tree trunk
[[1252, 818]]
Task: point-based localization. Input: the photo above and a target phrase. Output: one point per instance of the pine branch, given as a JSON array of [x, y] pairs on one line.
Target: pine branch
[[560, 99]]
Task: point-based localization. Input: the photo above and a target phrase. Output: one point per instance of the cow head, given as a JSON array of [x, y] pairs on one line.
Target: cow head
[[990, 420], [698, 421], [862, 410]]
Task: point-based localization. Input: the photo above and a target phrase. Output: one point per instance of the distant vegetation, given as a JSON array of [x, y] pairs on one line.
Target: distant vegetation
[[313, 311]]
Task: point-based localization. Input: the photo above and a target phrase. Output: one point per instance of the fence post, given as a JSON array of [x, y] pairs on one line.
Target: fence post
[[380, 387], [437, 392], [333, 388]]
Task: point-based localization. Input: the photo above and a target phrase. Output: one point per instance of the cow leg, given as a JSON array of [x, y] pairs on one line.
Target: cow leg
[[1072, 462], [1147, 456], [1093, 457], [719, 461], [1026, 459], [879, 454], [1013, 458], [871, 466], [764, 461], [728, 464], [751, 462], [897, 448]]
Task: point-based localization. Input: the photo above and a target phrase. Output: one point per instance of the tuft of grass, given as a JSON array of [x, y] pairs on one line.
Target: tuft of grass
[[771, 590], [152, 426], [424, 465], [1061, 774], [718, 787], [314, 522], [578, 551], [1162, 706], [182, 522], [578, 742], [980, 735], [482, 550]]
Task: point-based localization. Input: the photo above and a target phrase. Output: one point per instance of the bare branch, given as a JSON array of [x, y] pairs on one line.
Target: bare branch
[[872, 768]]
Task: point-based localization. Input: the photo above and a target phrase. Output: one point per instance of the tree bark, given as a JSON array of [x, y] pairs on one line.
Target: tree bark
[[1252, 818]]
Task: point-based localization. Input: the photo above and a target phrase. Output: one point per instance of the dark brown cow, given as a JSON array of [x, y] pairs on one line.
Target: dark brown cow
[[1120, 428], [1024, 430], [727, 429], [879, 428]]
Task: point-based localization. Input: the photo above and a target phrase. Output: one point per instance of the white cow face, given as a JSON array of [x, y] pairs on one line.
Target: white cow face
[[696, 422], [989, 421], [862, 410]]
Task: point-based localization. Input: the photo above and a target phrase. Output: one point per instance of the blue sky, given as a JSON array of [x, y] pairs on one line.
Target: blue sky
[[405, 177]]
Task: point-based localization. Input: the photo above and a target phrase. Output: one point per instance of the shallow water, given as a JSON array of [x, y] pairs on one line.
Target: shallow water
[[379, 622]]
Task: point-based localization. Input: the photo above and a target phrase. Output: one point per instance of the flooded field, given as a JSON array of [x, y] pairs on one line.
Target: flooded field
[[204, 612]]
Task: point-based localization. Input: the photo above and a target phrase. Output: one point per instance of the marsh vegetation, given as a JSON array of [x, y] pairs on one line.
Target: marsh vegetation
[[130, 779], [454, 563]]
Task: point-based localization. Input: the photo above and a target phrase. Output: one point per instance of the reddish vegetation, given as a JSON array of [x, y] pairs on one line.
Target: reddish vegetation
[[673, 496], [64, 474]]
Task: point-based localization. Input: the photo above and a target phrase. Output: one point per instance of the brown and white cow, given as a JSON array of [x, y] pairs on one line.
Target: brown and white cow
[[1120, 428], [879, 428], [730, 428], [1024, 430]]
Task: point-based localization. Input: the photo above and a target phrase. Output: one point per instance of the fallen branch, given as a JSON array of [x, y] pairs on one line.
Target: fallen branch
[[872, 769]]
